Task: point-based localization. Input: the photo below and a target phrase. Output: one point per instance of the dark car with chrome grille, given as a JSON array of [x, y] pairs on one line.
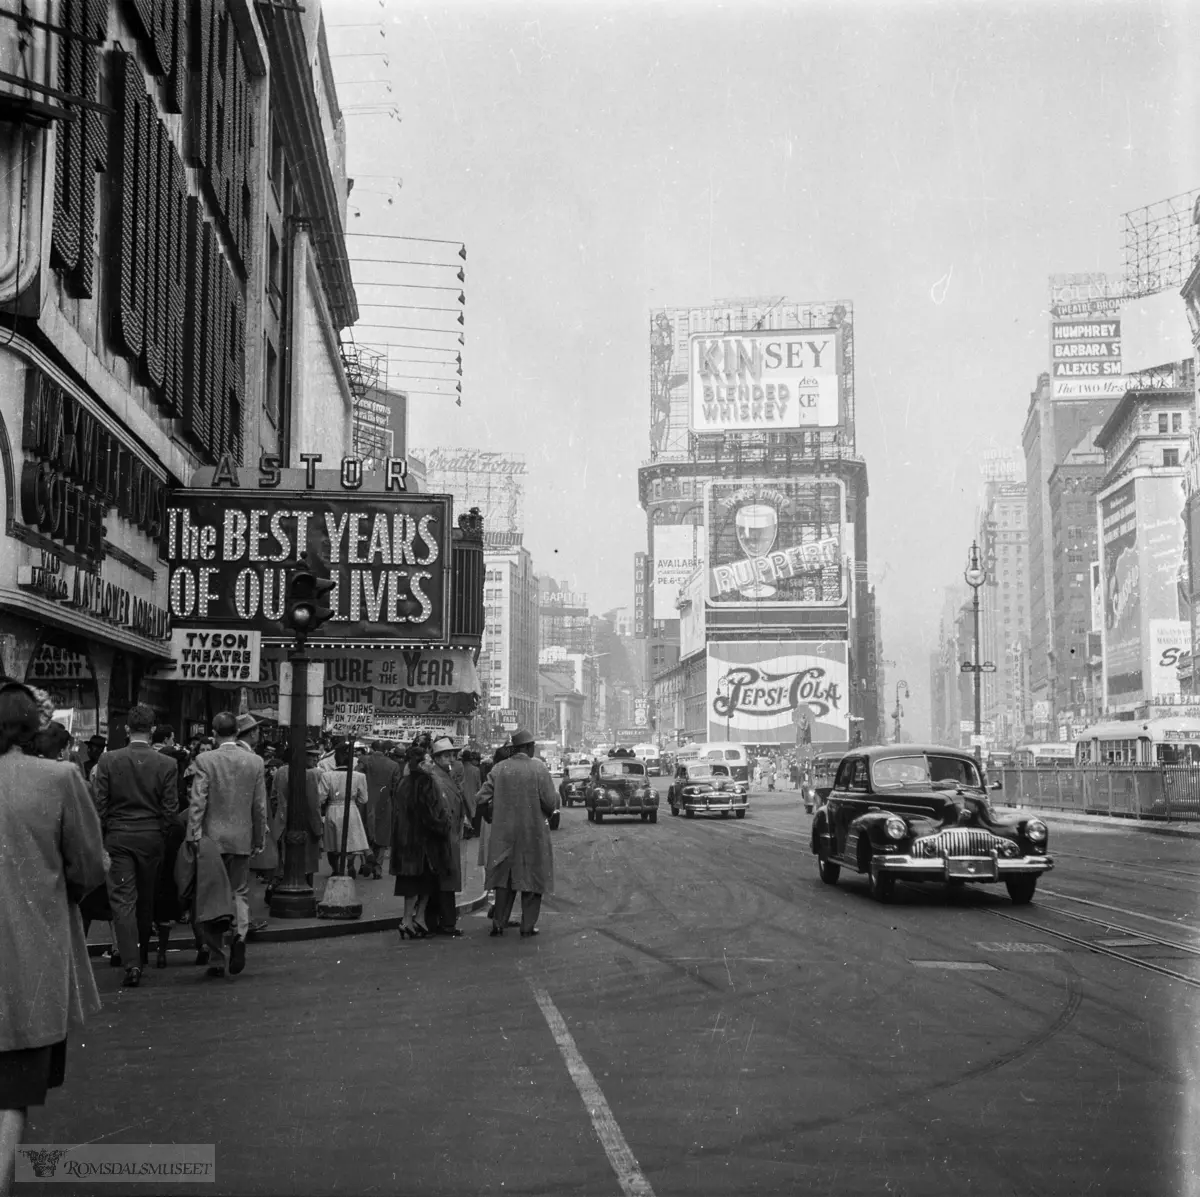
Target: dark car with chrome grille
[[922, 814], [620, 786], [574, 783], [700, 788]]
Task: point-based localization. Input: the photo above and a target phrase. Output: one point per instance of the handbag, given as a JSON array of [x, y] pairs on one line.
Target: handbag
[[484, 809]]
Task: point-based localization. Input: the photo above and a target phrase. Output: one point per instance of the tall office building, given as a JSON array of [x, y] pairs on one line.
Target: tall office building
[[1054, 427], [508, 662]]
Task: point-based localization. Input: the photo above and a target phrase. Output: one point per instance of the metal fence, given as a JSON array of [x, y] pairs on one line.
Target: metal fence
[[1134, 791]]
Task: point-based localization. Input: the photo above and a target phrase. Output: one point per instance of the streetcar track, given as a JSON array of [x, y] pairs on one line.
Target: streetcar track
[[1148, 965], [1148, 872], [1150, 938]]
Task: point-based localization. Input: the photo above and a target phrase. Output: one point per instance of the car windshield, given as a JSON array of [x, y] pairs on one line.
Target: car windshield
[[895, 771], [700, 771], [577, 772], [732, 754], [622, 769]]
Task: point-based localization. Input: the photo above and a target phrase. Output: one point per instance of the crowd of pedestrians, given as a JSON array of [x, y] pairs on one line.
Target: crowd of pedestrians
[[155, 833]]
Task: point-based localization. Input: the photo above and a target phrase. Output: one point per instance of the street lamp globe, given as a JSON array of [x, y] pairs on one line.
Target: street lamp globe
[[974, 574]]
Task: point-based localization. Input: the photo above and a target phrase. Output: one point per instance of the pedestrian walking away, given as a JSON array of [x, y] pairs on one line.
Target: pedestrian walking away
[[51, 854], [136, 792], [333, 784], [229, 806], [520, 855], [380, 770]]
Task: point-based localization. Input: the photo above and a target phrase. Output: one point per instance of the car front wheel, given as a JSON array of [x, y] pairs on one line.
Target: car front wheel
[[691, 814], [741, 814], [654, 816], [1020, 889], [827, 870]]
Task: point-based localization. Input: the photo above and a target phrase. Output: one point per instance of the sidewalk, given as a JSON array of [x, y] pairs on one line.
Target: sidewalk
[[382, 910], [1185, 829]]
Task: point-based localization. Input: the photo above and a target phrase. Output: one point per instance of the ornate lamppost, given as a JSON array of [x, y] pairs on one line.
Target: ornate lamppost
[[975, 576]]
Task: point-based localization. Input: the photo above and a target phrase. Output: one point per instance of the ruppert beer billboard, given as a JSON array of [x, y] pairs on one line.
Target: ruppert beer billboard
[[776, 542], [229, 549], [767, 381], [756, 688]]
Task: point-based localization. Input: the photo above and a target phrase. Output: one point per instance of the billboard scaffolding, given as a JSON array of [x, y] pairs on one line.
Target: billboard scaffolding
[[1162, 243]]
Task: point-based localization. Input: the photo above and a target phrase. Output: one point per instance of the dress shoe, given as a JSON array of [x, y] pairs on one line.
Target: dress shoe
[[237, 956], [496, 930], [530, 933], [216, 971], [202, 955], [114, 960], [451, 932], [133, 978]]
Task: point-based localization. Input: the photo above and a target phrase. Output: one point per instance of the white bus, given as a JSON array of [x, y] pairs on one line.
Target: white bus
[[648, 754], [1044, 756], [1171, 741]]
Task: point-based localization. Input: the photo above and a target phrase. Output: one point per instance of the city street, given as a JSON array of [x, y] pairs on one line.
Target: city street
[[750, 1030]]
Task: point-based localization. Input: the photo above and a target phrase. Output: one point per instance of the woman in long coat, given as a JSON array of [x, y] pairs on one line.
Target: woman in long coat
[[51, 854], [420, 839], [334, 795], [460, 809]]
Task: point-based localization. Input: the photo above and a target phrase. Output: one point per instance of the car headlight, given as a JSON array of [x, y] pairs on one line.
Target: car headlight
[[896, 829], [1035, 831]]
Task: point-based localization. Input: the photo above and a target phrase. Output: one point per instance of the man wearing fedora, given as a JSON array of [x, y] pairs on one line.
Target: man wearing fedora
[[519, 853], [136, 793], [459, 809], [229, 806]]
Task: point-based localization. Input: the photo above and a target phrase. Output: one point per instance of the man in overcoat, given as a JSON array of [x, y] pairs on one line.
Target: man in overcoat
[[229, 805], [520, 855], [459, 808], [380, 769], [136, 791]]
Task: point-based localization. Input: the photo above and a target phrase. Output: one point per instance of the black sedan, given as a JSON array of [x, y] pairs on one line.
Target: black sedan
[[922, 813], [620, 786], [573, 784], [699, 788]]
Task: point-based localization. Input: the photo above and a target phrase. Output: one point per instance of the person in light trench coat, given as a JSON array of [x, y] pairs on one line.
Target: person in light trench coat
[[519, 854], [51, 854], [459, 808]]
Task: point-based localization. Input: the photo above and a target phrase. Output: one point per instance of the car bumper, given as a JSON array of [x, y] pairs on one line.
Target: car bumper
[[717, 804], [634, 807], [962, 868]]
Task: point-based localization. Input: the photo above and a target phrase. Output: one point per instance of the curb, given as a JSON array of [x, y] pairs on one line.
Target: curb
[[331, 929], [1116, 823]]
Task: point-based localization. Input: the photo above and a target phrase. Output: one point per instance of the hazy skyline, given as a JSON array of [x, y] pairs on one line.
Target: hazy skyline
[[933, 163]]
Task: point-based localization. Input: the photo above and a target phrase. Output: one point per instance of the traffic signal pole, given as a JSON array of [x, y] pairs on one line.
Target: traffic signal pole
[[293, 898]]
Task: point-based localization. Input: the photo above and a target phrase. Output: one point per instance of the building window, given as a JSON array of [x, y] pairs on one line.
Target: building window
[[1170, 457], [1162, 421], [274, 266], [1177, 421], [271, 384]]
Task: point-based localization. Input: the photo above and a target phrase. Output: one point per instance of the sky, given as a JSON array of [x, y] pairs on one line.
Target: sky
[[932, 162]]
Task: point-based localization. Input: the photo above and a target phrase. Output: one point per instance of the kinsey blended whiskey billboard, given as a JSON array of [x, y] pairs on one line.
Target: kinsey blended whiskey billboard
[[776, 542], [762, 691], [230, 547], [759, 381]]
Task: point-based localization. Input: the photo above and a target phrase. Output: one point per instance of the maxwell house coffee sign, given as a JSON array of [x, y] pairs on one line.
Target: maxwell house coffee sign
[[760, 691], [388, 555]]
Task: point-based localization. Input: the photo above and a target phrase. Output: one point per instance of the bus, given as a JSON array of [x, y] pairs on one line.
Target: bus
[[1044, 756], [649, 755], [1171, 741]]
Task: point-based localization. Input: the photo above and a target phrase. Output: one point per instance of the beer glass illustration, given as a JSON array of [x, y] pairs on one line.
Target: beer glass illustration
[[756, 525]]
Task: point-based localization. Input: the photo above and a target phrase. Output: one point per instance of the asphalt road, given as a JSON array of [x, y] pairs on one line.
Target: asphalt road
[[700, 1015]]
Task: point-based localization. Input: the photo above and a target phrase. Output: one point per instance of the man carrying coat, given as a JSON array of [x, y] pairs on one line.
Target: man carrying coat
[[459, 810], [520, 856]]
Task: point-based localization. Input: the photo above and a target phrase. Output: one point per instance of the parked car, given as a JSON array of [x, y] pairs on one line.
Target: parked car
[[620, 786], [922, 813], [707, 789], [573, 784]]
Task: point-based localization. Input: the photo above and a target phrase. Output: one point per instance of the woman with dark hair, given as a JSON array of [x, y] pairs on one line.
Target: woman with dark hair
[[51, 854], [420, 838]]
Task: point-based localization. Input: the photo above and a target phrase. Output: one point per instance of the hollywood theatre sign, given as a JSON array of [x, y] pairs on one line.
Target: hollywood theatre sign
[[229, 549]]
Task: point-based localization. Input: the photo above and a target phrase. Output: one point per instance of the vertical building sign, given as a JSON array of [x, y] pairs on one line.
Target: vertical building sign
[[1122, 596], [639, 596]]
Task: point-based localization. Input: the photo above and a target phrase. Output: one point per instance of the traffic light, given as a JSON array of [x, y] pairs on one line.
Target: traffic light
[[305, 611]]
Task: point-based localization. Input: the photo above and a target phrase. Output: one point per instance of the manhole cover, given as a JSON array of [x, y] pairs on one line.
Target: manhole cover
[[964, 965], [1017, 947], [1125, 942]]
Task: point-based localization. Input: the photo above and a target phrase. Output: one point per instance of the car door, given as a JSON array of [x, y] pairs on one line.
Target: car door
[[847, 799]]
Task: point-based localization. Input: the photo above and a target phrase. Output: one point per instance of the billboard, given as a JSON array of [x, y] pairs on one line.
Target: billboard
[[493, 482], [691, 614], [764, 381], [1122, 595], [678, 552], [763, 691], [1085, 358], [776, 542], [229, 551], [1170, 647]]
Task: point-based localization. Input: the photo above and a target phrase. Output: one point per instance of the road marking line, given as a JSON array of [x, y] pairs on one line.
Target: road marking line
[[964, 965], [1018, 946], [629, 1174], [1128, 942]]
